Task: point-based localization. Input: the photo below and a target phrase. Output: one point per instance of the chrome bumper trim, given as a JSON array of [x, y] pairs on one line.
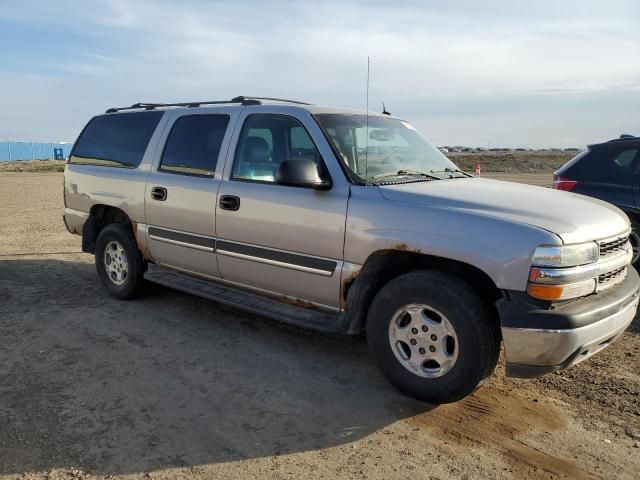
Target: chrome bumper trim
[[564, 347]]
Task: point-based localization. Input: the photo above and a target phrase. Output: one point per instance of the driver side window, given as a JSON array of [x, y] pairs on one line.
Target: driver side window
[[265, 142]]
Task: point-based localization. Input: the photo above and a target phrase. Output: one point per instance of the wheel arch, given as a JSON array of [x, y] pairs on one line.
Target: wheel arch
[[382, 266], [100, 216]]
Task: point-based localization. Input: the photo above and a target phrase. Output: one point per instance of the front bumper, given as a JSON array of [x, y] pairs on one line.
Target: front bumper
[[539, 341]]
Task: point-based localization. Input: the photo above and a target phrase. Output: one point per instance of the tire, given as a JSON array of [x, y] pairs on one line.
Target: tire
[[467, 343], [119, 263], [634, 238]]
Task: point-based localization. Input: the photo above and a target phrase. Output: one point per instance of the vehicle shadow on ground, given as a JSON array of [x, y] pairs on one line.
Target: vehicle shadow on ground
[[168, 380]]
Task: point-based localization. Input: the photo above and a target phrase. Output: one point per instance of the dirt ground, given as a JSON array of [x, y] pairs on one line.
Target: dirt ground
[[512, 162], [173, 386]]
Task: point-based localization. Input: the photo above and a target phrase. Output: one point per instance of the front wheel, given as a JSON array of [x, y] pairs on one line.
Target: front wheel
[[432, 336]]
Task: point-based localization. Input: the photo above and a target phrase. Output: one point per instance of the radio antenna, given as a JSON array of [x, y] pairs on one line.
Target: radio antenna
[[366, 151]]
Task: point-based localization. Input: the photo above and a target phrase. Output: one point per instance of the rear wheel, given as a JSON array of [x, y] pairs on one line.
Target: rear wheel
[[432, 336], [119, 262]]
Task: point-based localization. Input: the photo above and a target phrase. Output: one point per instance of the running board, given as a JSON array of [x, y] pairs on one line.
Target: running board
[[284, 310]]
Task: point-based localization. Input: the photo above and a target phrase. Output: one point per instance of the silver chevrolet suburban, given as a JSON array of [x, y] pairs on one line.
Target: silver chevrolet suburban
[[350, 222]]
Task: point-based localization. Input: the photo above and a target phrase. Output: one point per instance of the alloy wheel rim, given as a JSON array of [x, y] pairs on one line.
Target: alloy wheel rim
[[115, 263], [423, 340]]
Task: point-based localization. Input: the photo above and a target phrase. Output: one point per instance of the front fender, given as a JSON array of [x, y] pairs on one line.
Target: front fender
[[500, 248]]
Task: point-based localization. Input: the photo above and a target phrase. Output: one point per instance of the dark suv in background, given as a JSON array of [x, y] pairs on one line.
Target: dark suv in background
[[608, 171]]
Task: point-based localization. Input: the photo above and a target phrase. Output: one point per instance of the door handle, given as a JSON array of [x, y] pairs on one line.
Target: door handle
[[229, 202], [159, 193]]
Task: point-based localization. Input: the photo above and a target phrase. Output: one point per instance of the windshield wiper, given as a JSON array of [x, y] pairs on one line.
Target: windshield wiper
[[402, 173], [451, 170]]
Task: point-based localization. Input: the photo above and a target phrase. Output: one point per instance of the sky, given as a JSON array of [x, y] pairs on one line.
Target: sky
[[542, 73]]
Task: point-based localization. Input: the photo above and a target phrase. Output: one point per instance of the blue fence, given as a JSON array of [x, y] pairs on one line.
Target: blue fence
[[32, 150]]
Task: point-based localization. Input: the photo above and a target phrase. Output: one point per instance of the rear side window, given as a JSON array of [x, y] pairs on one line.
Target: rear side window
[[116, 140], [616, 165], [625, 158], [194, 145]]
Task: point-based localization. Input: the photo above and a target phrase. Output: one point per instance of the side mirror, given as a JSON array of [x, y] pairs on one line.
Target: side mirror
[[301, 173]]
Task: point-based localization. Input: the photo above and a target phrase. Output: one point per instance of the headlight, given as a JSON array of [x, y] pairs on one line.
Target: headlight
[[566, 255], [558, 271]]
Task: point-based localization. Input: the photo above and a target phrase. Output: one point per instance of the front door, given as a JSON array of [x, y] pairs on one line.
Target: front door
[[281, 239], [180, 197]]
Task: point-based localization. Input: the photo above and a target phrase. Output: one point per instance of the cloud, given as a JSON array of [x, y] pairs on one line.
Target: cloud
[[463, 71]]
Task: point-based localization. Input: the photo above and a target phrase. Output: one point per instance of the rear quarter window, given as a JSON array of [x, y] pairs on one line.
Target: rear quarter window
[[116, 140], [610, 165], [582, 165]]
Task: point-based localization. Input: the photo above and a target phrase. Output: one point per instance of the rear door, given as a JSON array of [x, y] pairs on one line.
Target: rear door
[[181, 190], [281, 239]]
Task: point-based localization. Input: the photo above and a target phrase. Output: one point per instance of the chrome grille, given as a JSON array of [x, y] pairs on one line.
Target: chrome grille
[[611, 278], [611, 249], [615, 246]]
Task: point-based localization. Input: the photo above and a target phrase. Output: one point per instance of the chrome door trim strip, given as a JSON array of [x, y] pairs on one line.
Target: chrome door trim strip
[[278, 258], [291, 266], [281, 257], [198, 242], [182, 244]]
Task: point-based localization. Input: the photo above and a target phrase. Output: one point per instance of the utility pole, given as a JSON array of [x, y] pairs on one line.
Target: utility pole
[[33, 155], [9, 149]]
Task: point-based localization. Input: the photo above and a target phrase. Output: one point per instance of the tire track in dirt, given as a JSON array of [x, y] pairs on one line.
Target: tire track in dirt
[[496, 420]]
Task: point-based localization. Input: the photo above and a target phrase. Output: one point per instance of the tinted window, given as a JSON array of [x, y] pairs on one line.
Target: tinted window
[[263, 133], [580, 166], [624, 158], [118, 140], [268, 140], [617, 166], [194, 145], [300, 139]]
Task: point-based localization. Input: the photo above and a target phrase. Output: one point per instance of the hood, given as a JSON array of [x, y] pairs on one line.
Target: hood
[[574, 218]]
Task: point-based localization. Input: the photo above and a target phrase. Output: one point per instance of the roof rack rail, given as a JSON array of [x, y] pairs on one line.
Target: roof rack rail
[[273, 99], [626, 135], [243, 100]]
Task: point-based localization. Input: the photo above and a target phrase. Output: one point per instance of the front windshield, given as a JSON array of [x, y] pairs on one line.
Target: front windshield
[[392, 147]]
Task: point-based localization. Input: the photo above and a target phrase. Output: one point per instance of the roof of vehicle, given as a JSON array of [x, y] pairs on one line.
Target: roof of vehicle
[[623, 139], [244, 101]]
